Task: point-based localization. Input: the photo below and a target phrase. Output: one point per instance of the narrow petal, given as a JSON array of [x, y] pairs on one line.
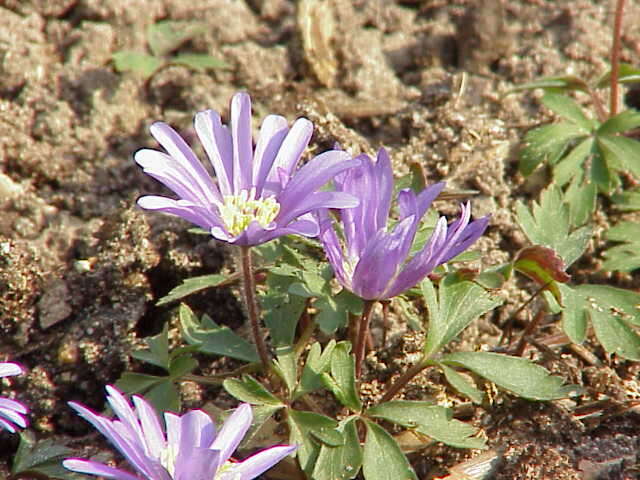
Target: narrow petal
[[382, 259], [360, 223], [94, 468], [257, 464], [197, 464], [303, 226], [196, 430], [172, 421], [216, 140], [273, 131], [384, 191], [178, 149], [422, 263], [291, 150], [151, 428], [333, 248], [9, 369], [242, 143], [13, 416], [471, 233], [203, 217], [174, 176], [233, 431], [315, 174], [8, 426], [13, 405], [313, 201]]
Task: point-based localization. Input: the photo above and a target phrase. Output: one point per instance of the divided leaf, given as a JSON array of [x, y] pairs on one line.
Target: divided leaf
[[192, 285], [624, 257], [140, 63], [457, 304], [431, 420], [214, 339], [306, 429], [614, 314], [248, 389], [543, 266], [548, 223], [317, 364], [383, 459], [342, 381], [340, 462], [515, 374]]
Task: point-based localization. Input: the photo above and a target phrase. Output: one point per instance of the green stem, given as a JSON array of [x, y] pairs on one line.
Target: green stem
[[249, 291], [615, 59], [404, 379], [363, 329]]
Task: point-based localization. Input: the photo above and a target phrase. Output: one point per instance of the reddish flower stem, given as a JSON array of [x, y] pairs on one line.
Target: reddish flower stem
[[615, 59], [361, 340], [404, 379], [249, 291]]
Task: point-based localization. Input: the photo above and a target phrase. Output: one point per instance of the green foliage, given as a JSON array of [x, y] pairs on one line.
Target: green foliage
[[310, 431], [318, 362], [382, 458], [163, 38], [248, 389], [457, 304], [627, 201], [192, 285], [515, 374], [613, 312], [431, 420], [44, 458], [585, 153], [461, 384], [342, 380], [161, 391], [548, 223], [624, 257], [213, 339], [341, 462]]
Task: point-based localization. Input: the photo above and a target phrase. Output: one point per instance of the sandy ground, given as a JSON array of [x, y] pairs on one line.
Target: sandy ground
[[81, 266]]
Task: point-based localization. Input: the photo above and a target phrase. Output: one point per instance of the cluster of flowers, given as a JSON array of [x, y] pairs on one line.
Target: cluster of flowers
[[260, 195]]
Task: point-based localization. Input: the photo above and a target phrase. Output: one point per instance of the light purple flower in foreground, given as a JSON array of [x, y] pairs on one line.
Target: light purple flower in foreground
[[375, 264], [191, 449], [12, 413], [258, 195]]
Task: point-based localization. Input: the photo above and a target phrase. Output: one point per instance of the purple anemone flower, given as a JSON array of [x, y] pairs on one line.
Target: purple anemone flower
[[12, 413], [374, 263], [258, 195], [190, 450]]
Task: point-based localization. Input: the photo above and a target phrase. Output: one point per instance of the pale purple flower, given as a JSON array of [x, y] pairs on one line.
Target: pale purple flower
[[191, 449], [258, 195], [12, 413], [374, 262]]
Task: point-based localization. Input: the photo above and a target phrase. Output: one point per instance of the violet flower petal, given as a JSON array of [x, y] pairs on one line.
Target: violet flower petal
[[273, 131], [242, 145], [10, 369], [233, 431], [257, 464], [94, 468], [216, 140], [289, 154]]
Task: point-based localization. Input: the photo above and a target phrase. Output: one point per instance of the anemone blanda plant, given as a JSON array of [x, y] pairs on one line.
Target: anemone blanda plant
[[12, 413], [373, 262], [259, 195], [186, 448]]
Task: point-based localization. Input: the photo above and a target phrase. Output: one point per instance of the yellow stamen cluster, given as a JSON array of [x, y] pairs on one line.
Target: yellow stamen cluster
[[238, 211]]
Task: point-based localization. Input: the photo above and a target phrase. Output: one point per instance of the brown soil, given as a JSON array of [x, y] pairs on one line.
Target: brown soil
[[81, 266]]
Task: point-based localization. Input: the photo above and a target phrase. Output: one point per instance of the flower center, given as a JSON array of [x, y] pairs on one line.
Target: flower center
[[238, 211], [168, 459]]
